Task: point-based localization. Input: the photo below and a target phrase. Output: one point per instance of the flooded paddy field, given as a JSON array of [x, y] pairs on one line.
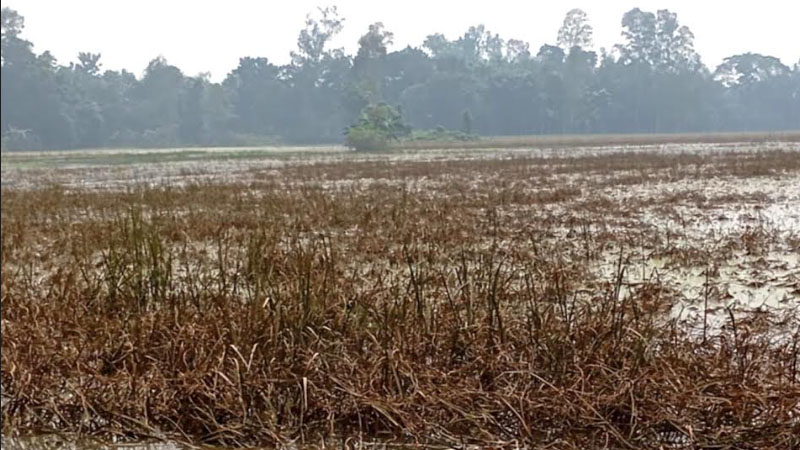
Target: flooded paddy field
[[587, 297]]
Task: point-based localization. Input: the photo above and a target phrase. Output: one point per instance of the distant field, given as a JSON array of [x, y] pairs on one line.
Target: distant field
[[536, 296], [119, 157], [607, 140]]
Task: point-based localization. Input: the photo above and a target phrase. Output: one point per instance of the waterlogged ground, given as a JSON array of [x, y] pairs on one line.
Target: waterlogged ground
[[761, 213], [693, 212], [118, 168], [712, 230]]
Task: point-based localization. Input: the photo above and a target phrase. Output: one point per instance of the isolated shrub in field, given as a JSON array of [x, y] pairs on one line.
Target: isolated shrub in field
[[376, 127], [363, 138]]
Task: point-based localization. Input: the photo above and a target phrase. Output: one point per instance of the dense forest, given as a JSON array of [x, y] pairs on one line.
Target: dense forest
[[480, 83]]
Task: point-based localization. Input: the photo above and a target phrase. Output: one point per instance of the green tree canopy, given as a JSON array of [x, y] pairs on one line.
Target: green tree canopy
[[479, 81]]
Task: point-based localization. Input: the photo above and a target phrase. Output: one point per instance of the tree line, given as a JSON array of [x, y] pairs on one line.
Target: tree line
[[652, 82]]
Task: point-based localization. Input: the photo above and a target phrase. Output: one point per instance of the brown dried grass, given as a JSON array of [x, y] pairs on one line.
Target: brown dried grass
[[281, 310]]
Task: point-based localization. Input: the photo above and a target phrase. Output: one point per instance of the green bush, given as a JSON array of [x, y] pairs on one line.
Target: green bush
[[365, 138], [376, 127]]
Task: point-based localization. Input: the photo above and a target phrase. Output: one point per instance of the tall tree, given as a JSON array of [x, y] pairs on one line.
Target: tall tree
[[749, 68], [659, 41], [517, 51], [190, 111], [674, 44], [33, 110], [316, 79], [89, 63], [369, 64], [257, 93], [639, 31], [762, 91], [575, 31], [316, 35], [405, 68], [157, 99]]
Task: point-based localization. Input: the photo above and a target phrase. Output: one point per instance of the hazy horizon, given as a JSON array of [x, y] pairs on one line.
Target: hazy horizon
[[206, 36]]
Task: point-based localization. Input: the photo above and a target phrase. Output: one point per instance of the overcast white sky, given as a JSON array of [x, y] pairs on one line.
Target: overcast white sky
[[210, 36]]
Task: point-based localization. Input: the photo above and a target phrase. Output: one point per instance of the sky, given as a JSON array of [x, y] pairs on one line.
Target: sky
[[210, 36]]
